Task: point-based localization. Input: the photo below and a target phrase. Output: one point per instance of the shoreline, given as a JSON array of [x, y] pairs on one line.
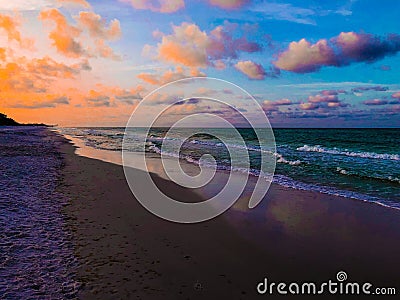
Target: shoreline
[[114, 157], [126, 252]]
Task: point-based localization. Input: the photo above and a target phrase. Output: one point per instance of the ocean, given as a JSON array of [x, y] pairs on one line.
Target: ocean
[[360, 164]]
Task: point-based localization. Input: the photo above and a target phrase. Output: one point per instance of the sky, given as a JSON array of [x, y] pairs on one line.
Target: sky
[[307, 63]]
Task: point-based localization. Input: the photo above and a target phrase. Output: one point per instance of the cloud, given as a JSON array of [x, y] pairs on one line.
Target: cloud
[[377, 88], [251, 69], [303, 57], [280, 102], [396, 95], [162, 6], [365, 47], [130, 96], [97, 99], [385, 68], [323, 98], [222, 44], [103, 50], [97, 26], [308, 106], [64, 35], [189, 46], [269, 105], [108, 96], [332, 92], [219, 65], [82, 3], [36, 83], [229, 4], [375, 102], [169, 76], [25, 5], [284, 12], [48, 102], [48, 67], [10, 25], [35, 75], [3, 54], [68, 39], [343, 50], [325, 101]]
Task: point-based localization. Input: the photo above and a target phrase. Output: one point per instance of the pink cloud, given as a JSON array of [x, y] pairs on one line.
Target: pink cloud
[[308, 106], [282, 102], [82, 3], [375, 102], [251, 69], [269, 105], [396, 95], [346, 48], [228, 4], [303, 57], [162, 6], [327, 99], [97, 26], [323, 98], [169, 76]]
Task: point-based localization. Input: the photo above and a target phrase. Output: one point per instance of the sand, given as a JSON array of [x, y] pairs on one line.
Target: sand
[[125, 252]]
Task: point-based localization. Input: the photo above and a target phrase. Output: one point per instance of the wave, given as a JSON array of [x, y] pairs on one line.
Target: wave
[[291, 183], [348, 173], [337, 151], [280, 157]]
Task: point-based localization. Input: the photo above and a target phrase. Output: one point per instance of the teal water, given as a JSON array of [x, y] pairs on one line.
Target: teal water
[[354, 163]]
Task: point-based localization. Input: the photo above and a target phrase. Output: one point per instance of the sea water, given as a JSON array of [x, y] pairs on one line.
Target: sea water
[[362, 164]]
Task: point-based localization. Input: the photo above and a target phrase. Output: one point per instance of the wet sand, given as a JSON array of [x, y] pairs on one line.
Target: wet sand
[[125, 252]]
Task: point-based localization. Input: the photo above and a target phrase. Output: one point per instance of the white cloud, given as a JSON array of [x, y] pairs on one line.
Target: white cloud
[[286, 12]]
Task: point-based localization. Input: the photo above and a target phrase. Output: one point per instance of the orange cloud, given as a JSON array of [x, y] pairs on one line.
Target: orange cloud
[[163, 6], [189, 46], [10, 26], [169, 76], [251, 69], [103, 50], [106, 96], [3, 54], [64, 36], [29, 83], [68, 40]]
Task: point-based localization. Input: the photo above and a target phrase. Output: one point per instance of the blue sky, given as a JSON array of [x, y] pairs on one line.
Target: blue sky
[[308, 63]]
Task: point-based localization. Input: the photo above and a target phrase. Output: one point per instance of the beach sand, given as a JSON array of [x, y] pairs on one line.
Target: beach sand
[[125, 252]]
